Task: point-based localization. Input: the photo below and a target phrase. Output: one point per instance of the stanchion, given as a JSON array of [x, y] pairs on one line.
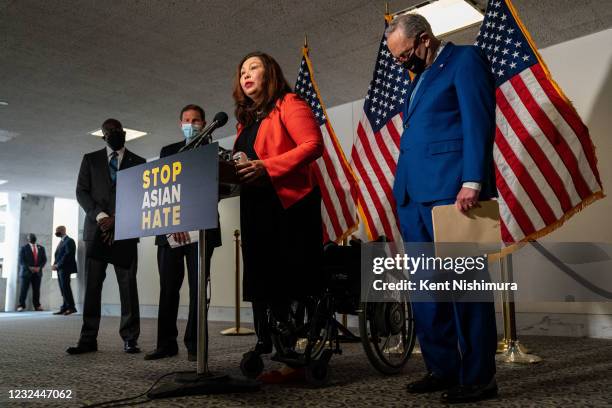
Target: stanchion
[[202, 381], [502, 345], [513, 352], [237, 330]]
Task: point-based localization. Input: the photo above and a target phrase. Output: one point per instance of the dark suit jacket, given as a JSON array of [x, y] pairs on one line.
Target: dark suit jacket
[[95, 193], [213, 236], [65, 255], [26, 259]]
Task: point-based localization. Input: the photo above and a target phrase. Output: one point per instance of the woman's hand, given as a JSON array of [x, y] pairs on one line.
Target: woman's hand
[[251, 171]]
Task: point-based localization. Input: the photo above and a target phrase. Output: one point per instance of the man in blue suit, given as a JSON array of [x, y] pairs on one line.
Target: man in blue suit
[[446, 157], [65, 265]]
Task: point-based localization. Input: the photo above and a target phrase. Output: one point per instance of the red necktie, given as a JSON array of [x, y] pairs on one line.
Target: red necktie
[[35, 252]]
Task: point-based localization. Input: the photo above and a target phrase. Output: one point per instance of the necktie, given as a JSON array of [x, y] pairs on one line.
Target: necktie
[[35, 253], [112, 164]]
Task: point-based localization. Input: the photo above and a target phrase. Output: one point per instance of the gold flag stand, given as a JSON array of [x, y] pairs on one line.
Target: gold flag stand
[[510, 350], [237, 330]]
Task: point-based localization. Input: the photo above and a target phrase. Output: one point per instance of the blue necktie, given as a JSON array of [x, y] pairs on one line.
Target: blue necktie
[[112, 164]]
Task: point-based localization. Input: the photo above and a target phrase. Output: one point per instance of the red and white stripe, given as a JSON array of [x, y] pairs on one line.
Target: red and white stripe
[[338, 189], [545, 161], [374, 159]]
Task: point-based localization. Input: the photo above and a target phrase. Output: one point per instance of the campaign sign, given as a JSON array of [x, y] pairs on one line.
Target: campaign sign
[[172, 194]]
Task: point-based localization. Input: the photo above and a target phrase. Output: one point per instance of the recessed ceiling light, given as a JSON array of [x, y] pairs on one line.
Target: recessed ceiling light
[[447, 16], [3, 181], [3, 103], [130, 134]]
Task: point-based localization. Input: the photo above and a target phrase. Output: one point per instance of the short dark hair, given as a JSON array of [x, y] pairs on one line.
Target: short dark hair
[[196, 108], [110, 124]]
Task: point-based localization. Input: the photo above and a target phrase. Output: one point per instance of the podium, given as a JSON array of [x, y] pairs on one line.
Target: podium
[[174, 194]]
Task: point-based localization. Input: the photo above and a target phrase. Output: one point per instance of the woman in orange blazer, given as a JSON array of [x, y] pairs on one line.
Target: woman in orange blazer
[[280, 202]]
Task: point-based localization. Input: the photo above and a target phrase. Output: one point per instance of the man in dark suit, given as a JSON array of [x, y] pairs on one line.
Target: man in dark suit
[[65, 265], [32, 259], [95, 191], [171, 261], [446, 157]]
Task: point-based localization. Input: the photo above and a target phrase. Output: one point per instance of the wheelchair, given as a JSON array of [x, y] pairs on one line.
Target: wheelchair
[[311, 334]]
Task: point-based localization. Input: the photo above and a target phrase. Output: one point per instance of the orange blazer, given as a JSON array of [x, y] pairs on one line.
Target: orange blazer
[[288, 141]]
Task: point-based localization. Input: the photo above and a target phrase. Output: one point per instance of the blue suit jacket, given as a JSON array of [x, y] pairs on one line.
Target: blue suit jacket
[[65, 255], [448, 130]]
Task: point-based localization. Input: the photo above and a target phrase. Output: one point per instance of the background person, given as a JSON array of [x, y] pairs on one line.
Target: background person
[[280, 202], [65, 265], [32, 259]]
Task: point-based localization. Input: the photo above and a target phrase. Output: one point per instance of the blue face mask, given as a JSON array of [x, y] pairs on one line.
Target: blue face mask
[[190, 130]]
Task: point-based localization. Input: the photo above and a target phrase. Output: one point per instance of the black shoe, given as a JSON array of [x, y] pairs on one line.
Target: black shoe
[[69, 311], [131, 347], [161, 353], [429, 383], [82, 348], [470, 393], [59, 312]]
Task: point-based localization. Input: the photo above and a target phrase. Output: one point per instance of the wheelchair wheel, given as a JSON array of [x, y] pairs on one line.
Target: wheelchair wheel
[[251, 365], [387, 334]]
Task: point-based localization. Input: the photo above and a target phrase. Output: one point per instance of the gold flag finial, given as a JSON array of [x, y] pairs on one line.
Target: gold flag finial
[[305, 40], [388, 17]]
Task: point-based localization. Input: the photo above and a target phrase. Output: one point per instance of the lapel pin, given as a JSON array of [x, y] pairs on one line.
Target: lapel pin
[[441, 65]]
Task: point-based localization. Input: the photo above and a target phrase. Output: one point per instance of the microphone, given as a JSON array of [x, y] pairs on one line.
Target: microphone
[[205, 135]]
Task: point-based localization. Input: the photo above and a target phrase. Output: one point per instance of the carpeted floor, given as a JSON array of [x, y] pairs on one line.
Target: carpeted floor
[[575, 372]]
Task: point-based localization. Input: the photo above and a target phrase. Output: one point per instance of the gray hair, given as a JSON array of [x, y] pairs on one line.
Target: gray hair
[[410, 25]]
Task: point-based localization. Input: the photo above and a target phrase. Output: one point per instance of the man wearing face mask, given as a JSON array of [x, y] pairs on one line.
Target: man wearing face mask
[[95, 191], [65, 265], [446, 157], [171, 261], [32, 259]]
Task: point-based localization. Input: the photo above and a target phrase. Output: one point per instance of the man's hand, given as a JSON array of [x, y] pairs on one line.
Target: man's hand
[[35, 269], [181, 237], [107, 223], [54, 267], [467, 199], [251, 171]]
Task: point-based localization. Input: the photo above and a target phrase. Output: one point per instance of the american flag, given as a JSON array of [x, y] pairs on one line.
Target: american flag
[[336, 180], [376, 148], [546, 169]]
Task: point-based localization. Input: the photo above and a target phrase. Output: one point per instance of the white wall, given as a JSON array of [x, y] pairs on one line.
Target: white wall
[[582, 67]]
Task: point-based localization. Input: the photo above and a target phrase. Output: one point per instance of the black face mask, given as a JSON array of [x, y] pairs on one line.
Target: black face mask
[[416, 64], [115, 139], [32, 239], [57, 234]]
